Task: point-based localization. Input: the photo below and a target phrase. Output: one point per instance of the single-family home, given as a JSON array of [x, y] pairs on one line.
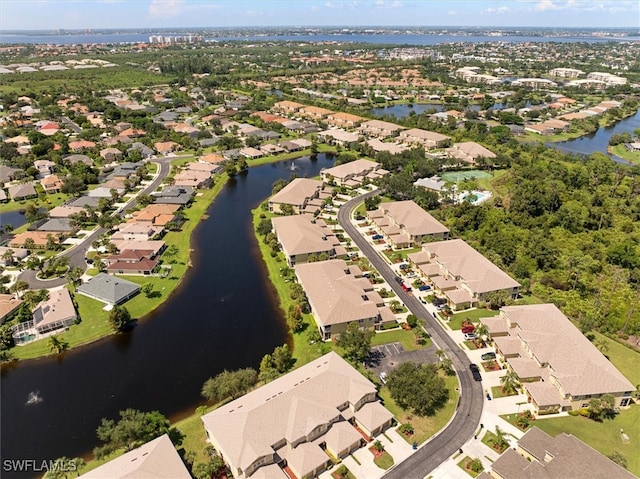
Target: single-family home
[[40, 239], [461, 273], [22, 192], [111, 154], [302, 237], [287, 107], [132, 262], [193, 179], [17, 254], [81, 145], [339, 294], [314, 113], [559, 367], [285, 422], [166, 147], [109, 289], [9, 305], [156, 458], [343, 120], [132, 231], [53, 314], [174, 195], [65, 211], [51, 184], [540, 455]]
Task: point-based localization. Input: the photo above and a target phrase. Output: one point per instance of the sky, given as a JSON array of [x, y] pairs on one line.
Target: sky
[[100, 14]]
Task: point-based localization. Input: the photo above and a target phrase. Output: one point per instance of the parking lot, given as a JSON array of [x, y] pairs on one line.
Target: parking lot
[[386, 357]]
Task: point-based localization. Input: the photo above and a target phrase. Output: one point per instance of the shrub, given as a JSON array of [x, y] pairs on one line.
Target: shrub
[[574, 413], [406, 428]]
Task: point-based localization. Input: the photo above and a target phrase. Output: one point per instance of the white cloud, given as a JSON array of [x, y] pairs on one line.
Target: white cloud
[[452, 13], [499, 10], [165, 8], [385, 4]]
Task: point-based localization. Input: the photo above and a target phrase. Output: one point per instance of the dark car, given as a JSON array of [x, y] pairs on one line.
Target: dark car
[[424, 287], [398, 280], [476, 372], [488, 356], [377, 237]]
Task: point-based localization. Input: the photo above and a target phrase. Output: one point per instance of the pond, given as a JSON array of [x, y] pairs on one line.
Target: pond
[[223, 316]]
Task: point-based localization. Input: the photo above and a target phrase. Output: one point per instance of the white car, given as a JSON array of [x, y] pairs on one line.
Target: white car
[[383, 377], [470, 336], [411, 274]]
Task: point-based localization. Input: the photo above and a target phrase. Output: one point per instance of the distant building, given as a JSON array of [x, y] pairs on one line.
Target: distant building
[[565, 73], [608, 78], [353, 174]]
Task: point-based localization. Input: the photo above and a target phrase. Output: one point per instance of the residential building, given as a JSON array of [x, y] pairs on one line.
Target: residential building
[[300, 193], [405, 224], [155, 214], [353, 174], [111, 154], [314, 112], [559, 367], [541, 456], [435, 183], [343, 120], [470, 152], [302, 237], [291, 421], [193, 179], [174, 195], [461, 273], [17, 254], [51, 184], [9, 305], [22, 192], [338, 137], [157, 458], [379, 129], [143, 231], [535, 83], [54, 314], [40, 239], [287, 107], [565, 72], [339, 294], [133, 262], [424, 138], [109, 289], [392, 147], [608, 78]]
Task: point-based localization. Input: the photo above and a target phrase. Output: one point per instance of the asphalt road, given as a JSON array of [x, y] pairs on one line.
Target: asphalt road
[[467, 417], [74, 126], [77, 253]]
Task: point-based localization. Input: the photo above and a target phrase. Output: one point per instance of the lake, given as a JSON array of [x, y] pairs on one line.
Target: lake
[[223, 316], [402, 111]]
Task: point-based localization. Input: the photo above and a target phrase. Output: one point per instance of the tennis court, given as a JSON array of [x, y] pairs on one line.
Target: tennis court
[[456, 176]]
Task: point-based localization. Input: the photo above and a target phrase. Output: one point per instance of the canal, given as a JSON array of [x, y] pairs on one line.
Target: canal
[[223, 316]]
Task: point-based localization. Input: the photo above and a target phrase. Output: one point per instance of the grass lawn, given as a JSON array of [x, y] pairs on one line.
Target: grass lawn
[[497, 393], [463, 465], [384, 461], [474, 316], [348, 475], [424, 427], [403, 336], [604, 436], [622, 152], [470, 345], [489, 438], [48, 202], [401, 254], [94, 325]]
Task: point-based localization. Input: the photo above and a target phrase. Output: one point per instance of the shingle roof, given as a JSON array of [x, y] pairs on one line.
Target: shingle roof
[[409, 216], [297, 192], [302, 235], [108, 289]]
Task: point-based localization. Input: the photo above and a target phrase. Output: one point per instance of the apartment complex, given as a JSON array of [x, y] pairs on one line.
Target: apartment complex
[[354, 173], [560, 368], [339, 294], [303, 237], [302, 194], [296, 421], [405, 224], [424, 138], [461, 273]]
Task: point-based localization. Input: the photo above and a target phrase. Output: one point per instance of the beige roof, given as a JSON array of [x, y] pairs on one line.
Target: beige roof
[[287, 408], [560, 457], [155, 459], [381, 125], [300, 234], [340, 135], [8, 304], [495, 325], [425, 135], [306, 458], [297, 192], [64, 211], [272, 471], [415, 221], [373, 415], [335, 295], [58, 307], [473, 150], [477, 272], [421, 257], [574, 362], [357, 167], [544, 394], [341, 436]]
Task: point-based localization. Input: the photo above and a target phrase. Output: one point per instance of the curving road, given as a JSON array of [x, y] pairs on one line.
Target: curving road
[[465, 422], [77, 253]]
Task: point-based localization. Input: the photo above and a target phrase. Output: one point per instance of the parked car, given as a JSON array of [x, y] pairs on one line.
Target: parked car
[[467, 327], [404, 266], [488, 356], [475, 371], [439, 301], [411, 274], [383, 377], [470, 336], [398, 280], [424, 287], [406, 287], [377, 237]]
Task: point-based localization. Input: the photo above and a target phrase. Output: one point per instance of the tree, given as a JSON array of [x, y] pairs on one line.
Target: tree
[[229, 384], [119, 318], [18, 287], [57, 345], [72, 185], [501, 439], [294, 318], [74, 275], [147, 289], [264, 227], [418, 387], [282, 358], [35, 263], [618, 458], [7, 257], [133, 429], [267, 370], [510, 382], [356, 342], [145, 200], [29, 244], [482, 331], [601, 408]]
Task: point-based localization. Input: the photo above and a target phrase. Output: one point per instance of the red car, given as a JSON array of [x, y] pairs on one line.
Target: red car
[[468, 327]]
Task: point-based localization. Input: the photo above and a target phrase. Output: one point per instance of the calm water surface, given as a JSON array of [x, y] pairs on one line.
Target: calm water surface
[[224, 316]]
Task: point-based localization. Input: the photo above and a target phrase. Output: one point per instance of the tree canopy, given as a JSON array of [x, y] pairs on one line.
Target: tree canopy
[[356, 342], [229, 384], [418, 387]]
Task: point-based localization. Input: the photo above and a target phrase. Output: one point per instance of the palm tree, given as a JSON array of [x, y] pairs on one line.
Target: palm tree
[[501, 439], [482, 331], [510, 382], [35, 263], [18, 287], [78, 463], [57, 345], [7, 257]]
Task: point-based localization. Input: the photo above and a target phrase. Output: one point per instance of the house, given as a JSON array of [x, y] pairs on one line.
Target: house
[[299, 193], [65, 211], [22, 192], [251, 153], [155, 246], [302, 236], [339, 294], [8, 306], [174, 195], [40, 239], [424, 138], [157, 458], [57, 225], [379, 129], [54, 314], [353, 174], [8, 173], [73, 159], [559, 367], [313, 112], [81, 145], [166, 147], [285, 422], [155, 214], [132, 262], [435, 183], [461, 273], [109, 289], [111, 154], [17, 254], [213, 158], [144, 150], [343, 120], [193, 179], [105, 192], [405, 224], [287, 107], [51, 184], [539, 455], [3, 196], [44, 167], [137, 232], [470, 152], [85, 202]]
